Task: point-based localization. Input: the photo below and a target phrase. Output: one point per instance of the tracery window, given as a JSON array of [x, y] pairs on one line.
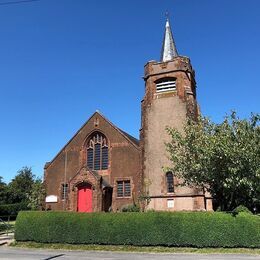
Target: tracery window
[[170, 183], [97, 152]]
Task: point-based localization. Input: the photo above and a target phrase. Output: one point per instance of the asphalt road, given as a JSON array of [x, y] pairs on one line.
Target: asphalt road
[[17, 253]]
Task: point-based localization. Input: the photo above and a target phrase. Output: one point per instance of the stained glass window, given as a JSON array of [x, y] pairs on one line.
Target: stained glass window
[[104, 158], [97, 152]]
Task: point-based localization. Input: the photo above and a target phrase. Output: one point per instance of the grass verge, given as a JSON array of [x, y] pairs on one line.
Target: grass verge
[[152, 249]]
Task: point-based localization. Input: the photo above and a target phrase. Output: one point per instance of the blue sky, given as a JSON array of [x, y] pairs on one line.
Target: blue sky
[[60, 60]]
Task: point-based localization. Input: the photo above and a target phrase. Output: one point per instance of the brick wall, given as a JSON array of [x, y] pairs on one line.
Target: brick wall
[[124, 161]]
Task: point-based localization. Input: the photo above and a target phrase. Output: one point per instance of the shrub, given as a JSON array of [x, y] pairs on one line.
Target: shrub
[[130, 208], [3, 226], [196, 229], [150, 210], [12, 209], [242, 208]]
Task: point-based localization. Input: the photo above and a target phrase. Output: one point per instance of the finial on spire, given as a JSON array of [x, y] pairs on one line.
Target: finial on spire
[[167, 15], [169, 50]]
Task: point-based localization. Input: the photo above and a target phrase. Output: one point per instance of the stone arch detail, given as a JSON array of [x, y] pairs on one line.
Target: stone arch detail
[[96, 151], [86, 176]]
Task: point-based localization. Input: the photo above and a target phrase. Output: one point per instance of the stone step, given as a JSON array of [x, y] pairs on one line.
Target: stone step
[[5, 240]]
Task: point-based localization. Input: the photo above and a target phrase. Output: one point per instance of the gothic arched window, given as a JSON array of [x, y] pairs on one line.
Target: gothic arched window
[[97, 152], [169, 181]]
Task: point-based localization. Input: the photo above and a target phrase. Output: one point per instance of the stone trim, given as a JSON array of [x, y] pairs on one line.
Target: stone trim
[[115, 187], [86, 176]]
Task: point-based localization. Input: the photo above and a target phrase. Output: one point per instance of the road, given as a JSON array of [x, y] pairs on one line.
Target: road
[[42, 254]]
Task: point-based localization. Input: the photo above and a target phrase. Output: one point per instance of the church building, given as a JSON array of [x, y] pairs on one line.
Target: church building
[[103, 168]]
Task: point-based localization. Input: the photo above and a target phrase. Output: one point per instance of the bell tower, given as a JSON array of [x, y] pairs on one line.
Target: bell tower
[[170, 97]]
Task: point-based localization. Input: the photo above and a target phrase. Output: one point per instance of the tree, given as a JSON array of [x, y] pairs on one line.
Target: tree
[[37, 195], [3, 191], [21, 185], [222, 158]]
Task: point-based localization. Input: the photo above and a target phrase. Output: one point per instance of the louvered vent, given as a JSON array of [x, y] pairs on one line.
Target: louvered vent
[[167, 85]]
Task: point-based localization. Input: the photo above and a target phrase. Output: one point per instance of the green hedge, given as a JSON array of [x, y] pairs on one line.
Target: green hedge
[[194, 229]]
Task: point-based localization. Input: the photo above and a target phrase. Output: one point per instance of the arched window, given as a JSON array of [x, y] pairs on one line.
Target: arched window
[[97, 152], [169, 181]]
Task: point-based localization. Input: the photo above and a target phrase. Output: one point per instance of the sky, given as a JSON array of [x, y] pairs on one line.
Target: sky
[[61, 60]]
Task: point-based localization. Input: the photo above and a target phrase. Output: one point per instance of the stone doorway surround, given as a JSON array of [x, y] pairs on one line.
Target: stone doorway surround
[[101, 190], [88, 177]]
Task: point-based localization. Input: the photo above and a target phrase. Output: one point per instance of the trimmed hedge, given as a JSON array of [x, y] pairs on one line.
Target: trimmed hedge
[[196, 229]]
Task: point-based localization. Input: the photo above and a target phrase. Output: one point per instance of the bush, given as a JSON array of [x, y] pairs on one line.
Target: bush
[[242, 208], [196, 229], [130, 208], [12, 209], [3, 226]]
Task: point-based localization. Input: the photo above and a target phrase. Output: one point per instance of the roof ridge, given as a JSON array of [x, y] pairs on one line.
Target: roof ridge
[[130, 138]]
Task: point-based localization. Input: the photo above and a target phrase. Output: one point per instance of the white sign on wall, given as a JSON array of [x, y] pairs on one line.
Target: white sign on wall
[[51, 198], [170, 203]]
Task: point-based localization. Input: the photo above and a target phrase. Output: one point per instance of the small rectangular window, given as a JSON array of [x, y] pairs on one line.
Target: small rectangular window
[[170, 182], [120, 189], [64, 191], [164, 86], [123, 189], [127, 191]]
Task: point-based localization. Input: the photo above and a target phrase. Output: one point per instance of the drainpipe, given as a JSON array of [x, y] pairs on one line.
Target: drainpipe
[[65, 181]]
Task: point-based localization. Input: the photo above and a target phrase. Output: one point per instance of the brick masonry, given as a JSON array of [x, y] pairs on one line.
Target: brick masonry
[[124, 163], [140, 162], [160, 110]]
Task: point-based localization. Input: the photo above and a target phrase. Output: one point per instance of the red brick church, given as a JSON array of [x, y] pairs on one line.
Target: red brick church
[[102, 168]]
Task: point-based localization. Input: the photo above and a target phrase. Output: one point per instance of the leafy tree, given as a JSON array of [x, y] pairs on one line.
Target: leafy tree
[[3, 191], [37, 195], [221, 158], [21, 185]]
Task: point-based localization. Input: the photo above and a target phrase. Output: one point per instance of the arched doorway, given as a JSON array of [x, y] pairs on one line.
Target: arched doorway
[[85, 198], [107, 199]]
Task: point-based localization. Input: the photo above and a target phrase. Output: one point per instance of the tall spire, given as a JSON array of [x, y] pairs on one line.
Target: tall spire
[[169, 50]]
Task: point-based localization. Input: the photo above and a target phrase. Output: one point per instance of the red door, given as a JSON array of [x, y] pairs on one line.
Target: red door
[[85, 198]]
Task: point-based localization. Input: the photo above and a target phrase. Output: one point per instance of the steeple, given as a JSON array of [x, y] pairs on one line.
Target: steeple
[[169, 50]]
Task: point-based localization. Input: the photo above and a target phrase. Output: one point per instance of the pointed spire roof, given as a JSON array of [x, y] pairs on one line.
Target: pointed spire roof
[[169, 50]]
